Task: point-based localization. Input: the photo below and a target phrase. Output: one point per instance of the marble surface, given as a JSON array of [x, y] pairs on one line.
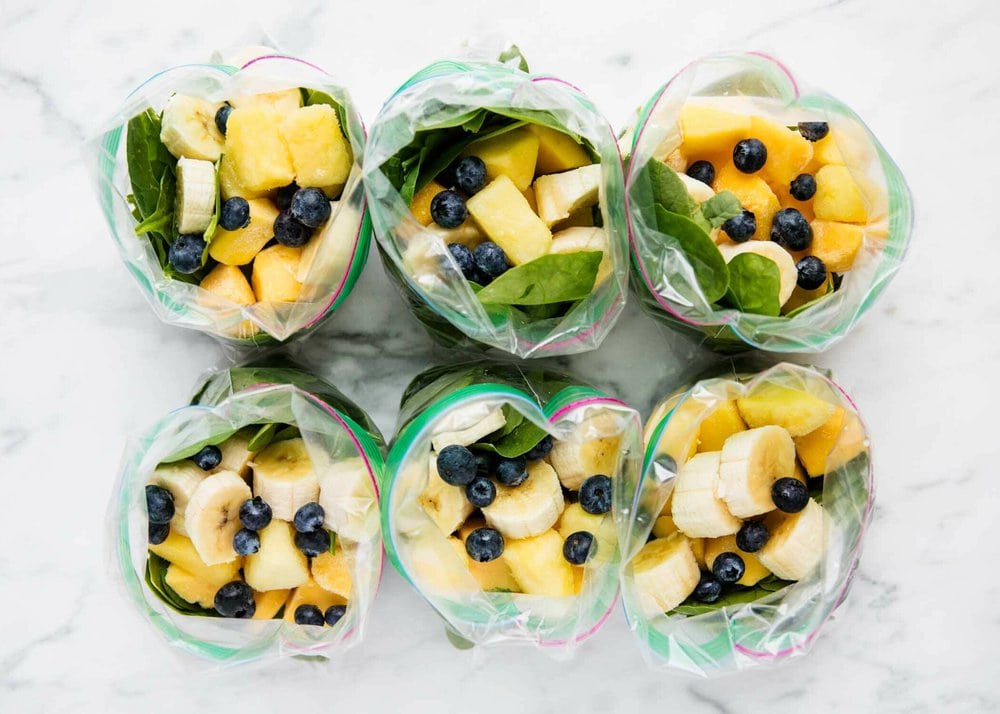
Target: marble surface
[[85, 362]]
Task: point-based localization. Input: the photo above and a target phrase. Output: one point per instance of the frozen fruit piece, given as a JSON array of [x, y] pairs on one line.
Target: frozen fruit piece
[[749, 155], [802, 187], [448, 209], [319, 152], [258, 151], [229, 283], [838, 197], [753, 570], [702, 171], [269, 603], [239, 247], [561, 195], [795, 410], [789, 495], [753, 192], [229, 182], [421, 205], [812, 272], [190, 587], [310, 207], [832, 445], [180, 551], [185, 253], [235, 214], [837, 244], [235, 599], [706, 129], [719, 425], [538, 565], [283, 100], [557, 151], [470, 175], [274, 274], [278, 564], [788, 153], [312, 594], [332, 572], [512, 154], [791, 230], [503, 213]]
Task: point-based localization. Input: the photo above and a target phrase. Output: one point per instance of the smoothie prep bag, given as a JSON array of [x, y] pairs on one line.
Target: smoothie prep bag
[[246, 525], [762, 214]]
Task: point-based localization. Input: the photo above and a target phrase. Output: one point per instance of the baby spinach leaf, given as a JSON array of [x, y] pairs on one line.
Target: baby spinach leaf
[[189, 451], [513, 52], [289, 432], [512, 419], [702, 254], [147, 159], [263, 437], [517, 443], [721, 207], [549, 279], [668, 190], [739, 596], [754, 284]]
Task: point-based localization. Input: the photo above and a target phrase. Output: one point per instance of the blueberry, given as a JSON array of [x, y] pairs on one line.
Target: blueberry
[[159, 504], [812, 272], [752, 536], [235, 599], [289, 231], [235, 214], [486, 463], [185, 253], [463, 257], [448, 209], [222, 118], [310, 207], [309, 518], [491, 260], [740, 227], [470, 175], [283, 196], [708, 588], [309, 615], [208, 458], [578, 547], [702, 171], [481, 492], [158, 532], [456, 465], [314, 542], [334, 613], [789, 495], [595, 495], [255, 514], [814, 130], [802, 187], [728, 567], [540, 450], [478, 276], [791, 229], [246, 541], [750, 155], [512, 472], [484, 544]]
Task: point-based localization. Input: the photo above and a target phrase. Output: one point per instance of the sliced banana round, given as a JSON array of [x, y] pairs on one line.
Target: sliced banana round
[[446, 505], [696, 507], [795, 547], [235, 454], [195, 195], [283, 475], [181, 478], [529, 509], [188, 128], [212, 516], [592, 449], [665, 572], [788, 274], [751, 462], [347, 497]]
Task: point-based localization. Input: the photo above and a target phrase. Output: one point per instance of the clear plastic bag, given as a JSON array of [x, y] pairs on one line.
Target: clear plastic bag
[[443, 95], [451, 397], [338, 435], [714, 640], [665, 280], [345, 237]]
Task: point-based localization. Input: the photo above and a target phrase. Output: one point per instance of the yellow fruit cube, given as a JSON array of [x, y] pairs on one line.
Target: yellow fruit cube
[[796, 411], [664, 526], [191, 588], [278, 564], [284, 100], [512, 154], [800, 296], [832, 445], [310, 593], [538, 565], [229, 283], [698, 548], [332, 572], [229, 182], [268, 603], [320, 154], [754, 572], [275, 274], [826, 151], [753, 192], [708, 130], [240, 246], [421, 205], [180, 551], [723, 422], [788, 152], [838, 197], [557, 151], [836, 244], [258, 151], [503, 213], [787, 200], [529, 196]]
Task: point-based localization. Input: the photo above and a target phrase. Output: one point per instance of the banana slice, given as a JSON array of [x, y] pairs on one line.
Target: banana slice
[[346, 495], [578, 239], [529, 509], [446, 505], [559, 195], [593, 448], [188, 128], [787, 272], [212, 516], [195, 195], [235, 454], [697, 509], [283, 475], [181, 479], [665, 572], [470, 431], [538, 565], [699, 191], [751, 462], [795, 547]]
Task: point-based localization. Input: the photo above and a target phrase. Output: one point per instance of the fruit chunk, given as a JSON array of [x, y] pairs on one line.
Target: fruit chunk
[[503, 213], [332, 572], [664, 526], [458, 430], [706, 129], [788, 152], [512, 154], [801, 297], [832, 445], [446, 505], [347, 497], [751, 462], [559, 195], [592, 449], [188, 128], [259, 154], [838, 197], [319, 152], [229, 283], [283, 475], [279, 564], [754, 571], [719, 425], [602, 527], [235, 454], [827, 150], [538, 565], [275, 274], [795, 410], [189, 587], [421, 204], [493, 575], [665, 572], [753, 192], [283, 100], [181, 478], [240, 246], [575, 240], [557, 151], [836, 244], [178, 550], [195, 204], [697, 509], [212, 516], [268, 603], [795, 547], [229, 182], [529, 509], [310, 593]]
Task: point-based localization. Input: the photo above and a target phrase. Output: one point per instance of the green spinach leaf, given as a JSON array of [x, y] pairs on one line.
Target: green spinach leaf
[[765, 587], [702, 254], [754, 284], [668, 191], [263, 437], [517, 443], [720, 208], [549, 279]]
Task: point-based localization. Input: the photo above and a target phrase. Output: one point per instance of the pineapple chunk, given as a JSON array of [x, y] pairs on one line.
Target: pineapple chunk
[[332, 572], [503, 213], [832, 445], [707, 130], [838, 197], [664, 526], [229, 283], [240, 246], [229, 182], [284, 100], [260, 157], [268, 603], [557, 151], [529, 196], [788, 152], [723, 422], [512, 154], [310, 593], [787, 200], [575, 240], [279, 564], [574, 519], [826, 151], [190, 587], [559, 195], [492, 576], [320, 153], [755, 570], [275, 274], [538, 565], [795, 410], [179, 551], [421, 205], [753, 192], [836, 244]]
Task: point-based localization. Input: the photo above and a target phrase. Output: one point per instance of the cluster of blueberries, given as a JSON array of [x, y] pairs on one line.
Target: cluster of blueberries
[[160, 502]]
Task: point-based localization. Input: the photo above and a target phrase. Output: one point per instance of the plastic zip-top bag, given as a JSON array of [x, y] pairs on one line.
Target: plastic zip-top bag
[[525, 549], [246, 525], [748, 520], [762, 214], [496, 197], [210, 224]]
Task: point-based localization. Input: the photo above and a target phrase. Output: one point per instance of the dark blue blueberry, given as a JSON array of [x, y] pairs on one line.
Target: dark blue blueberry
[[802, 187], [222, 118], [791, 230], [540, 450], [750, 155], [486, 463], [314, 542], [463, 256], [491, 260], [334, 613], [481, 492], [728, 567], [478, 276], [158, 532], [208, 458], [595, 495], [235, 214], [308, 615], [159, 504], [470, 175], [512, 472], [484, 544], [702, 171], [235, 600], [708, 588], [752, 536], [789, 495], [283, 196], [741, 227], [185, 253], [448, 209], [309, 517], [812, 272], [310, 207], [289, 231], [814, 130], [456, 465], [255, 514], [578, 547], [246, 541]]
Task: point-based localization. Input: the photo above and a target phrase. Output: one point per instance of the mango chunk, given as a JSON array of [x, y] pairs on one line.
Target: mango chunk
[[557, 151], [320, 154], [503, 213], [310, 593], [229, 283], [332, 572], [723, 422], [664, 526], [513, 154], [180, 551], [755, 570], [826, 151], [239, 247], [269, 603], [838, 197], [832, 445], [800, 296], [421, 205], [275, 274], [706, 129], [788, 152], [796, 411], [191, 588], [836, 244], [258, 150], [753, 192]]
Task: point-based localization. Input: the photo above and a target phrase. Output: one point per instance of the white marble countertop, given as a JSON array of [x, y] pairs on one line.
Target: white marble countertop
[[85, 362]]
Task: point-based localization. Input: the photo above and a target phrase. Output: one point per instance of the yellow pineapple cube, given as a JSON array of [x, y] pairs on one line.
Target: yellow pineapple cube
[[332, 572], [284, 100], [229, 183], [512, 154], [538, 565], [421, 205], [275, 274], [229, 283], [795, 410], [754, 572], [279, 564], [709, 130], [320, 154], [310, 593], [753, 192], [788, 152], [836, 244], [529, 196], [240, 246], [838, 197], [826, 151], [664, 526], [557, 151], [268, 603], [503, 213], [258, 151], [180, 551], [723, 422], [191, 588]]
